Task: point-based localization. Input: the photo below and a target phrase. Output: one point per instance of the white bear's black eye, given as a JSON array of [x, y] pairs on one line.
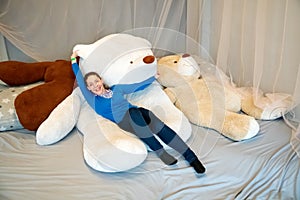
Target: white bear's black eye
[[175, 61], [131, 62]]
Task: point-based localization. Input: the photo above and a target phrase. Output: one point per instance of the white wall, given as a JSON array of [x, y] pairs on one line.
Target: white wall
[[3, 52]]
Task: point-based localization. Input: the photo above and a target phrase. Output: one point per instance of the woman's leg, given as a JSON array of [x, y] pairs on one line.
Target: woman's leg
[[135, 123], [169, 137]]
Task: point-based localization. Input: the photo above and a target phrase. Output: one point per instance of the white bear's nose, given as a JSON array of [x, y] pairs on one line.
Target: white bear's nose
[[148, 59]]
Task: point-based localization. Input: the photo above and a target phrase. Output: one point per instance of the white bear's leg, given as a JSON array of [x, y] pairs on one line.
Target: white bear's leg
[[106, 147]]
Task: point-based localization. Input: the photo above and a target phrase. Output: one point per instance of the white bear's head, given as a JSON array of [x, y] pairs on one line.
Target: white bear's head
[[118, 59]]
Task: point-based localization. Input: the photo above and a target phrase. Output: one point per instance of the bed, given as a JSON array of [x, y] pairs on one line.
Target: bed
[[264, 167], [236, 33]]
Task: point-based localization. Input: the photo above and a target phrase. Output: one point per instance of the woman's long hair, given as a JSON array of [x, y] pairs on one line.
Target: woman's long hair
[[96, 74]]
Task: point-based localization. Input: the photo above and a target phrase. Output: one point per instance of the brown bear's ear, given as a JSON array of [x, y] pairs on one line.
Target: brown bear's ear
[[15, 73]]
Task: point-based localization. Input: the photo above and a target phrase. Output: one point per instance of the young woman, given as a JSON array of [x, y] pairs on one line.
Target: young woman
[[110, 103]]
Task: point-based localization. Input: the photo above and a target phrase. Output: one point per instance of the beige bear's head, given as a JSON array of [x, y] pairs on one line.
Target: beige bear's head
[[174, 70]]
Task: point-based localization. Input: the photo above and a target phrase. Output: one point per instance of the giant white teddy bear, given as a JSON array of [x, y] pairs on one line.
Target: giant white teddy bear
[[207, 99], [119, 59]]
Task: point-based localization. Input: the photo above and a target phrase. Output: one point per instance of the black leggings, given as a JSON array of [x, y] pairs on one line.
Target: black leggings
[[144, 124]]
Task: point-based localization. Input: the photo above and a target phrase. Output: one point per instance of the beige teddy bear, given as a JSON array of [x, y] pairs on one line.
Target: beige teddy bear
[[207, 100]]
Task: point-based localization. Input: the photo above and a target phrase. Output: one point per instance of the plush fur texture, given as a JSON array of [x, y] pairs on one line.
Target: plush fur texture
[[204, 99], [34, 105]]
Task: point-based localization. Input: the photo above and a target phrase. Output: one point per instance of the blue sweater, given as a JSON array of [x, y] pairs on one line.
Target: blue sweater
[[113, 108]]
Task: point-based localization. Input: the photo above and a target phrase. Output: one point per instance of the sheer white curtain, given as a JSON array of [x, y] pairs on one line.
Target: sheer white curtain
[[48, 29], [256, 41]]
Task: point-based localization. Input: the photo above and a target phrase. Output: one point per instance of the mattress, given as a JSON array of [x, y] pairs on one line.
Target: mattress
[[264, 167]]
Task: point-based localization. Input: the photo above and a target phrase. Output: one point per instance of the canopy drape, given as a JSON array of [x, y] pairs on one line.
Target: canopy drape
[[48, 29], [256, 42]]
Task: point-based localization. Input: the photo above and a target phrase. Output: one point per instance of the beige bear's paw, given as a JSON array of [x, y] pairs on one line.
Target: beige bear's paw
[[239, 127], [252, 130]]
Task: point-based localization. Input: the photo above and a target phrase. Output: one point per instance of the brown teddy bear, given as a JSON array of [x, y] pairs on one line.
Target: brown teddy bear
[[33, 106]]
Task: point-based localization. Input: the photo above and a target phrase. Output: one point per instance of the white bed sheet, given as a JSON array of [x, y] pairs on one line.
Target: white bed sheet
[[265, 167]]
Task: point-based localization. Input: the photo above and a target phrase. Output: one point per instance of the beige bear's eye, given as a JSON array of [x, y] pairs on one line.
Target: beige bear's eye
[[175, 61]]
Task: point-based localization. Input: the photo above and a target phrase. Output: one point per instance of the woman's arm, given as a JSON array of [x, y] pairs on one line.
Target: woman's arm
[[80, 80], [130, 88]]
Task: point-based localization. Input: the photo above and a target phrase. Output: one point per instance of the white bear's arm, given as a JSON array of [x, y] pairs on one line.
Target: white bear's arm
[[60, 121]]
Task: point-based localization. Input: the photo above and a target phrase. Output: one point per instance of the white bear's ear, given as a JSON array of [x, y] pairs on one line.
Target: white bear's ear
[[60, 121]]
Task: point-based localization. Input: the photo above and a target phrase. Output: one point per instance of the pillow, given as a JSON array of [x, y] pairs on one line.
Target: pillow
[[8, 117]]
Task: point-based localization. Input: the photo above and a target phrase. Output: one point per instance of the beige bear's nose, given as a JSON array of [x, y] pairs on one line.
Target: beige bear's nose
[[186, 55], [149, 59]]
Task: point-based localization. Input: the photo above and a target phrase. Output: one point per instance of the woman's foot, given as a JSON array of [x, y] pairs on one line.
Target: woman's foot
[[166, 158], [197, 165]]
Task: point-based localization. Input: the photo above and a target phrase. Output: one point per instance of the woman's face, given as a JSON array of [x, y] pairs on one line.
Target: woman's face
[[95, 84]]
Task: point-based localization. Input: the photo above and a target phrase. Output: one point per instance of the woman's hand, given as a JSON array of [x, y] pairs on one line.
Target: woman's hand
[[74, 57], [74, 54]]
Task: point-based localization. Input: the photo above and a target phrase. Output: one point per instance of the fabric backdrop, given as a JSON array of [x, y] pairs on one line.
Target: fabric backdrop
[[254, 41]]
